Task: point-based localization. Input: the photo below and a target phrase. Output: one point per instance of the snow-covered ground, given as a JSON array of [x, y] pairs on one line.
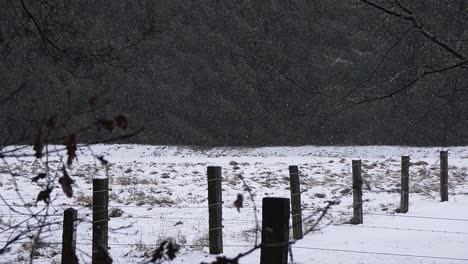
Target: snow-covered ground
[[162, 192]]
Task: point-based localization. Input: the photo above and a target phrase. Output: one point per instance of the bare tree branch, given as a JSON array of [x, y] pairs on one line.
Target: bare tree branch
[[418, 25]]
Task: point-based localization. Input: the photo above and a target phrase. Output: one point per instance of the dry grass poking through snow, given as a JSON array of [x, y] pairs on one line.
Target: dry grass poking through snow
[[161, 192]]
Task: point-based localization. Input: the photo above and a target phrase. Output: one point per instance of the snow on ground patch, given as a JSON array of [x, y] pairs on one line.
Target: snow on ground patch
[[160, 192], [432, 232]]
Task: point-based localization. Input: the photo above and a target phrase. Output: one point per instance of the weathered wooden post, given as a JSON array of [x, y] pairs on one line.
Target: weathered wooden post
[[444, 176], [295, 202], [100, 217], [357, 193], [275, 231], [69, 237], [404, 190], [215, 209]]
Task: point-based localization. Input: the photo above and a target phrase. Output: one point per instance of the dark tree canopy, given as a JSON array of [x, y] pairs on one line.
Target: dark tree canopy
[[242, 72]]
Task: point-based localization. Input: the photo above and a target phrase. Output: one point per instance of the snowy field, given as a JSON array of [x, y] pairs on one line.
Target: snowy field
[[160, 192]]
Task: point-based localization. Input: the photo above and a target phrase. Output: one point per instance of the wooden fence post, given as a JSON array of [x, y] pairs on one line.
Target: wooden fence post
[[100, 218], [404, 190], [69, 237], [215, 209], [275, 231], [295, 202], [357, 193], [444, 176]]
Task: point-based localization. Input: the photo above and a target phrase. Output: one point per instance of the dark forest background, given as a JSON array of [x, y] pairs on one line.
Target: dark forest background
[[237, 72]]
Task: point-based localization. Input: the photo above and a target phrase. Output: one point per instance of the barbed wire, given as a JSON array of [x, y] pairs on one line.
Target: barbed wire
[[381, 253], [249, 245], [227, 221], [206, 207], [407, 216], [190, 207], [402, 229]]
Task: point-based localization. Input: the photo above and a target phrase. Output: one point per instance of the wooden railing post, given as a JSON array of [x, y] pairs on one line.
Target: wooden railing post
[[69, 237], [215, 210], [295, 202], [357, 193], [275, 231], [100, 218], [404, 190], [444, 176]]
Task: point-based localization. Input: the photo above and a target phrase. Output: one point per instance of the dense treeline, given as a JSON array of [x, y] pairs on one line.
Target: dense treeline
[[237, 72]]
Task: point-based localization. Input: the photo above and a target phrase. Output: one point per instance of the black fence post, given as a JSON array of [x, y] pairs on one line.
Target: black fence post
[[215, 209], [404, 190], [444, 176], [295, 202], [275, 231], [357, 193], [69, 237], [100, 218]]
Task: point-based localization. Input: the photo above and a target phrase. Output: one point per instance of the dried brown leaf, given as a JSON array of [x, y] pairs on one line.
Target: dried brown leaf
[[172, 249], [103, 161], [44, 195], [106, 124], [166, 250], [121, 122], [239, 203], [38, 144], [70, 144], [159, 252], [39, 177], [66, 183]]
